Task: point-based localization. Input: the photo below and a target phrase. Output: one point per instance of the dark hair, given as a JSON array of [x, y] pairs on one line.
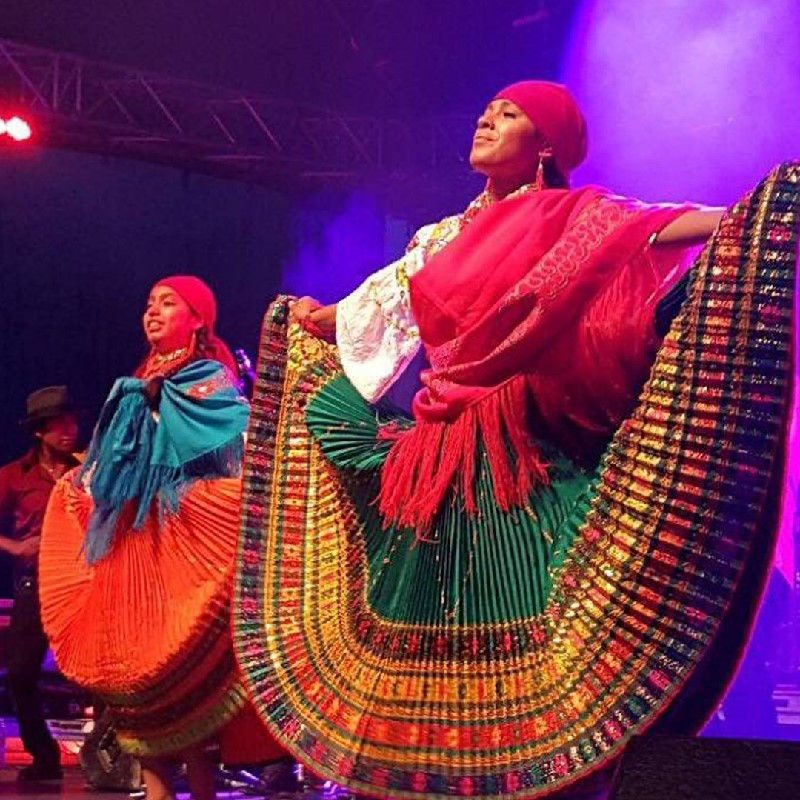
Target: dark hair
[[202, 347], [552, 177], [37, 426]]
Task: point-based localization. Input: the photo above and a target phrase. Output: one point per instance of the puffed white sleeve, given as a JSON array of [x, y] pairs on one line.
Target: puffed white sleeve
[[376, 333]]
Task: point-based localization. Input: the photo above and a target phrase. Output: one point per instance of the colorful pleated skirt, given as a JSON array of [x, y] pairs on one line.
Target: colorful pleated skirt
[[516, 653]]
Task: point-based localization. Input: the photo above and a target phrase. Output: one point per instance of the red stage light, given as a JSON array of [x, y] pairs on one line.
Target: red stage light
[[16, 128]]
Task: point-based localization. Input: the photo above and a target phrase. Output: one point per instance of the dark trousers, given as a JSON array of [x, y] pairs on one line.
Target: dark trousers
[[28, 647]]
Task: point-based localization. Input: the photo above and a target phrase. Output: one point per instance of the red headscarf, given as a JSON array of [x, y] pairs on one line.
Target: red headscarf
[[554, 112], [198, 296]]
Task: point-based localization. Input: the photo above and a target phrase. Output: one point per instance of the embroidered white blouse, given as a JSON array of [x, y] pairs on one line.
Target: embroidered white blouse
[[376, 333]]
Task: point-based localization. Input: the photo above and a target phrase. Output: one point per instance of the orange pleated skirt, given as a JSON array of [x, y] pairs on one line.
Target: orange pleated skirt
[[147, 629]]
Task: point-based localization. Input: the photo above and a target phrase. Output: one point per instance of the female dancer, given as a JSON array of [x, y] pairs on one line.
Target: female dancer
[[138, 552], [558, 551]]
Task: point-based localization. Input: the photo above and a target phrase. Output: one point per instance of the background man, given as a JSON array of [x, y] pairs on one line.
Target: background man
[[25, 486]]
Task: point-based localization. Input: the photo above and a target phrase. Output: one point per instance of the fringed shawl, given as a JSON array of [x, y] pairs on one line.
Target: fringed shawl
[[523, 292], [136, 457]]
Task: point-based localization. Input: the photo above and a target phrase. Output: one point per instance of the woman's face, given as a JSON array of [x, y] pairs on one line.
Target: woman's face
[[168, 321], [506, 144]]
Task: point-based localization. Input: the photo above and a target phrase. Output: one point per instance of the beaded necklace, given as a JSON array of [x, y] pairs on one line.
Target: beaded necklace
[[164, 364]]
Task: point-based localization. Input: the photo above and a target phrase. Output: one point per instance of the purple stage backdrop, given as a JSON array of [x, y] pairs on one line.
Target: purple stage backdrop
[[686, 99]]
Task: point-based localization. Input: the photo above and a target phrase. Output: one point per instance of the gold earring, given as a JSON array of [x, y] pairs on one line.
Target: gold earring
[[541, 183]]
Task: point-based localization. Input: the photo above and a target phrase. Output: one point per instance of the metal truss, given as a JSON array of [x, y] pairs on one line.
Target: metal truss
[[100, 107]]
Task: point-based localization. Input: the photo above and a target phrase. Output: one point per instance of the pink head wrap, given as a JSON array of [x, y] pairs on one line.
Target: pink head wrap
[[554, 111], [199, 297]]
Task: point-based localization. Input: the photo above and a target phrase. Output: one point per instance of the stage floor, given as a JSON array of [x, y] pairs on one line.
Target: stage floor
[[73, 786]]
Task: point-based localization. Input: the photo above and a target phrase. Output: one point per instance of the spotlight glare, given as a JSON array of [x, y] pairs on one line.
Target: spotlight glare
[[18, 129]]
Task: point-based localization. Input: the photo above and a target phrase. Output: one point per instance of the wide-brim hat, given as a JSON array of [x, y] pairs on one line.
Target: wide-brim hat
[[47, 403]]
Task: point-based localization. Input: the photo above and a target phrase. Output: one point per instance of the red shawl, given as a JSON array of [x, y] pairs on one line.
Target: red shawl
[[538, 322]]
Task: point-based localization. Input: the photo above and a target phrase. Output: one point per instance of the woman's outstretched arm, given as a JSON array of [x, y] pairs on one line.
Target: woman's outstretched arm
[[693, 227]]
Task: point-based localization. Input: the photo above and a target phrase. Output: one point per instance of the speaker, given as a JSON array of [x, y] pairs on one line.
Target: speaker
[[684, 768]]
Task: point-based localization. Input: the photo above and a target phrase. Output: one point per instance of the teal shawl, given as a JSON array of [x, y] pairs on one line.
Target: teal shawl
[[135, 458]]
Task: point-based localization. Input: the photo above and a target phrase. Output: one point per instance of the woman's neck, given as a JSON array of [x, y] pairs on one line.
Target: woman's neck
[[165, 363], [500, 188], [166, 354], [499, 191]]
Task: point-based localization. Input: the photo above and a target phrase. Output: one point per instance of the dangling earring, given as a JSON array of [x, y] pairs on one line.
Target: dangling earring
[[540, 182]]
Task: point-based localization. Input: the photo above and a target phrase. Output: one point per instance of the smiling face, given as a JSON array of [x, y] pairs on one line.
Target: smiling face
[[168, 321], [506, 145]]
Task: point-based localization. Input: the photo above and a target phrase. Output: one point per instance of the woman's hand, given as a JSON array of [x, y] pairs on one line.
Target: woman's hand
[[317, 319]]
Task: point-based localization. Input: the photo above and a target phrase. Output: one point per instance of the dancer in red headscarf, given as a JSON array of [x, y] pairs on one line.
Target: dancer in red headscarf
[[138, 550], [557, 552], [163, 333]]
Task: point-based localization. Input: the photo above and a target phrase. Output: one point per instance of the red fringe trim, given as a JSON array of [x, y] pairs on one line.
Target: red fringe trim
[[430, 459]]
